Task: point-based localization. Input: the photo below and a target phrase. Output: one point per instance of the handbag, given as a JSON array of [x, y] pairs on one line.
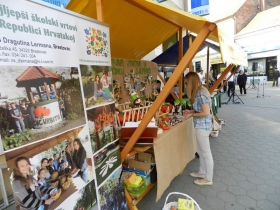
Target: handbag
[[216, 125]]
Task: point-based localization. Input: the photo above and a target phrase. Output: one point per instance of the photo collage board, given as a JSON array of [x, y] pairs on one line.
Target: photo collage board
[[57, 110]]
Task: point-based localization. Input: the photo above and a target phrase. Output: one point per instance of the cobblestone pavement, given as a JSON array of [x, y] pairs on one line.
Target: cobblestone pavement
[[246, 158]]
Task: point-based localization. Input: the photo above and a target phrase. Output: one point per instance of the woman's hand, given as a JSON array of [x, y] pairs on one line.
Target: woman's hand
[[49, 201], [189, 115], [52, 186], [187, 111]]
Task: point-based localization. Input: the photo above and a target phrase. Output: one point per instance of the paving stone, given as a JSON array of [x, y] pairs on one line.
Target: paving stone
[[269, 161], [247, 173], [226, 196], [264, 175], [262, 165], [239, 166], [228, 181], [204, 207], [276, 177], [198, 197], [272, 171], [273, 183], [246, 185], [219, 186], [255, 168], [266, 189], [215, 203], [208, 191], [238, 177], [233, 206], [275, 198], [255, 180], [246, 201], [232, 160], [267, 205], [236, 190], [221, 173], [231, 169], [257, 195]]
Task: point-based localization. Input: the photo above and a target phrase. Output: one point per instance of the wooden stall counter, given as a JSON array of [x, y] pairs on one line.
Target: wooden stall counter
[[173, 150]]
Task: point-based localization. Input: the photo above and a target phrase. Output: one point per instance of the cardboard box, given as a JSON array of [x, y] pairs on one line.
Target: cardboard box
[[140, 169], [145, 157]]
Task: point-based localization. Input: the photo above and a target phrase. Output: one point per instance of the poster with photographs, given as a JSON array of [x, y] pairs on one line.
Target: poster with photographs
[[82, 199], [106, 161], [39, 102], [57, 164], [97, 85], [102, 126], [111, 193]]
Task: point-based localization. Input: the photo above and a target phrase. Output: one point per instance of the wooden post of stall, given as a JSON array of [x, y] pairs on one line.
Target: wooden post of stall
[[99, 10], [207, 70], [180, 55], [190, 43], [187, 58], [163, 81]]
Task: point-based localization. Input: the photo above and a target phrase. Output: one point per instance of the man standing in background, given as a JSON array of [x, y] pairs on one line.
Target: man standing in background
[[275, 77]]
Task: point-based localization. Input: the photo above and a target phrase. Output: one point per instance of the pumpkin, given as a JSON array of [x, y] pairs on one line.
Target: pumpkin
[[41, 112], [66, 185], [62, 180]]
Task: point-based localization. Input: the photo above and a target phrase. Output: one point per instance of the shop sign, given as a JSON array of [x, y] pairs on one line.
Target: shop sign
[[200, 7], [59, 3]]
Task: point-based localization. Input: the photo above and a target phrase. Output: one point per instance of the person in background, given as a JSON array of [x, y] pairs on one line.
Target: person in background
[[158, 86], [231, 85], [201, 76], [211, 78], [200, 99], [79, 159], [105, 84], [25, 114], [45, 166], [68, 155], [61, 107], [27, 192], [55, 162], [52, 93], [98, 89], [275, 77], [241, 81], [17, 117], [50, 167]]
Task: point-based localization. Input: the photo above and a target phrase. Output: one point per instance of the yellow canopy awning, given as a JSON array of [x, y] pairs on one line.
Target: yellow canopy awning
[[139, 26]]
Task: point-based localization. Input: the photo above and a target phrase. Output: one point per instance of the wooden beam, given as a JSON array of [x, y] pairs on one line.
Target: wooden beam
[[203, 34], [190, 43], [99, 10], [180, 55], [220, 79], [207, 70], [163, 81], [232, 73]]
